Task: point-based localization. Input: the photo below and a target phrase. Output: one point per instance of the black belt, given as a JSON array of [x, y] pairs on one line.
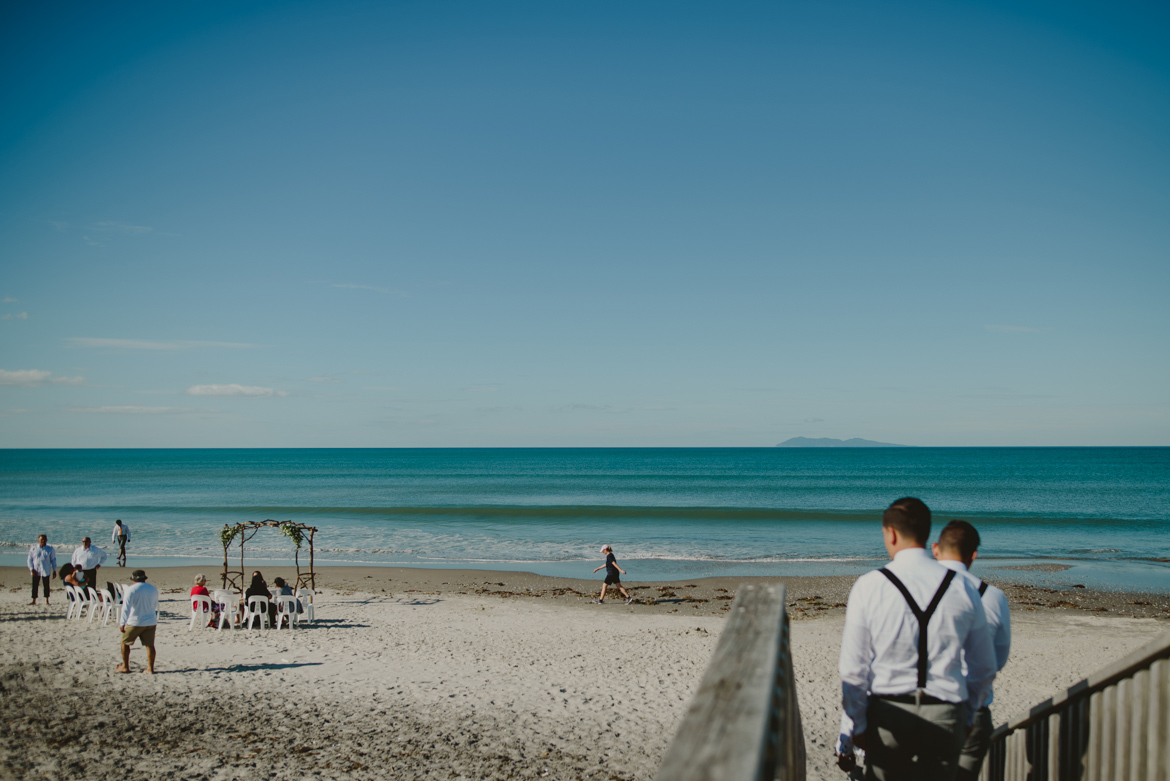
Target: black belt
[[912, 699]]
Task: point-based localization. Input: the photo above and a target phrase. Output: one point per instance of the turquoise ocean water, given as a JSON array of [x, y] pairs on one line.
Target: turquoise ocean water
[[669, 513]]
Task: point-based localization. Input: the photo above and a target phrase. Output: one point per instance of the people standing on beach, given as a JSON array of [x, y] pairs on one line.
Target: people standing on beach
[[612, 578], [89, 558], [909, 628], [120, 537], [42, 565], [956, 549], [138, 620]]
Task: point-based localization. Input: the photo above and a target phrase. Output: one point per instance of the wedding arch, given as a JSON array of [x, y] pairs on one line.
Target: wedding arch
[[297, 532]]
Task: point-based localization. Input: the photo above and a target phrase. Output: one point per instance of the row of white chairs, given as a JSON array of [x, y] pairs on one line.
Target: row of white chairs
[[108, 604], [255, 610]]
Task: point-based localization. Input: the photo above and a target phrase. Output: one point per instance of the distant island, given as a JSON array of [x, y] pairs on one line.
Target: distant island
[[830, 442]]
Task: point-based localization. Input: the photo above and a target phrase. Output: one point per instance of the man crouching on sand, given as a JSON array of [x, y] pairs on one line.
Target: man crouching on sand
[[139, 619], [612, 578]]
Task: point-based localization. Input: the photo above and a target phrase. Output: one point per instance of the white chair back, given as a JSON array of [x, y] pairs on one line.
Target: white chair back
[[286, 606], [257, 607], [200, 611], [95, 601], [226, 601], [111, 607], [76, 603], [305, 596]]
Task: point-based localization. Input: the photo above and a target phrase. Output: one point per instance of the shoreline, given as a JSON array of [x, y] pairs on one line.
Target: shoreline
[[807, 596]]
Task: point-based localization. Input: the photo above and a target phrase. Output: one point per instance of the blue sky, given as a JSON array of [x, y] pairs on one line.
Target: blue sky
[[583, 224]]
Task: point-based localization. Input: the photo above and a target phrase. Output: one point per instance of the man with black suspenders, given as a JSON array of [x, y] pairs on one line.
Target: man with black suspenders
[[956, 549], [909, 628]]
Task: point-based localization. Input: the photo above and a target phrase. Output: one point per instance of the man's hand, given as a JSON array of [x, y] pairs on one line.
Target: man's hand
[[54, 574], [122, 628]]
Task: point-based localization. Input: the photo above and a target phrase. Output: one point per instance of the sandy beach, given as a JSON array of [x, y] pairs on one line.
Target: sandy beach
[[454, 674]]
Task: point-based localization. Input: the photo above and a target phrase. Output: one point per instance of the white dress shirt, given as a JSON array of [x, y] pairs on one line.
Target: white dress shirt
[[139, 605], [124, 529], [88, 558], [995, 606], [879, 647], [42, 560]]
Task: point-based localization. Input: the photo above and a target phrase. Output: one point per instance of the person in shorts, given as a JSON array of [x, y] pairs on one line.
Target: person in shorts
[[139, 619], [612, 578]]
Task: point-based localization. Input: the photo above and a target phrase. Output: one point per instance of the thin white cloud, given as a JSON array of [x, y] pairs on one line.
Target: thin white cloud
[[324, 378], [30, 378], [121, 227], [814, 420], [24, 377], [15, 316], [131, 410], [481, 389], [8, 300], [148, 344], [1011, 329], [248, 391], [92, 242]]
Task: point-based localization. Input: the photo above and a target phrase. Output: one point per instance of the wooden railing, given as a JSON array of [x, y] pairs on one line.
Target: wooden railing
[[1112, 726], [743, 723]]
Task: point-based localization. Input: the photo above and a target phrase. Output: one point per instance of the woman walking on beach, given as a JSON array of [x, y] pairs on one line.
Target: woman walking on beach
[[612, 578]]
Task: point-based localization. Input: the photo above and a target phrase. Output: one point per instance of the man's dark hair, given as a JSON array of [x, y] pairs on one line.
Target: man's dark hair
[[909, 517], [959, 537]]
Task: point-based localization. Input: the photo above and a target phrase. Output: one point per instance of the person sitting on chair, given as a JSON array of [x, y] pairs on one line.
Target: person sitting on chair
[[200, 590], [259, 588], [73, 576], [285, 590]]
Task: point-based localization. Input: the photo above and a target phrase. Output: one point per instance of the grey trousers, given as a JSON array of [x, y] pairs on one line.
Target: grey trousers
[[908, 742], [975, 749]]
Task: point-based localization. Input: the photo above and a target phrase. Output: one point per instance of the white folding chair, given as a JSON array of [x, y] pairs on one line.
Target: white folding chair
[[111, 605], [75, 602], [200, 611], [286, 606], [81, 603], [257, 607], [95, 601], [305, 595], [226, 601]]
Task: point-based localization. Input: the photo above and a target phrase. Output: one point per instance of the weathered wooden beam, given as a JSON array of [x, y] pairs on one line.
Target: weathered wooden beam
[[743, 723]]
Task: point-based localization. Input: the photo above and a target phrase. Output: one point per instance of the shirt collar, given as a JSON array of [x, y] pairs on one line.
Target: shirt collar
[[909, 555], [957, 566]]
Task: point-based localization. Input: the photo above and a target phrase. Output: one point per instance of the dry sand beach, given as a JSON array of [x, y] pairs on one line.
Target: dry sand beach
[[453, 674]]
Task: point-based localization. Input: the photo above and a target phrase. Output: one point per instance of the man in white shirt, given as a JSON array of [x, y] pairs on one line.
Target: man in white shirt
[[42, 564], [120, 537], [909, 627], [956, 549], [89, 558], [138, 620]]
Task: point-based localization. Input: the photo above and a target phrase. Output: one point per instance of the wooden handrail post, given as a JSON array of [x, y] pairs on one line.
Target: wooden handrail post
[[743, 723]]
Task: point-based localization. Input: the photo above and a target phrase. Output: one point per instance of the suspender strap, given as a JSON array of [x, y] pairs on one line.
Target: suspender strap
[[982, 588], [923, 617]]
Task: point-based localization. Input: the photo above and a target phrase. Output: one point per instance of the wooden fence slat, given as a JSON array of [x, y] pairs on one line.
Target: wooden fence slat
[[743, 723]]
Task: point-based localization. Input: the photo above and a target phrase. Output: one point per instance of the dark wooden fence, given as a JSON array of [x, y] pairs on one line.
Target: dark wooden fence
[[1112, 726], [743, 723]]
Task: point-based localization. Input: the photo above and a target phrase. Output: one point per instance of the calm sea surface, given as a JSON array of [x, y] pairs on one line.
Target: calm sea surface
[[669, 513]]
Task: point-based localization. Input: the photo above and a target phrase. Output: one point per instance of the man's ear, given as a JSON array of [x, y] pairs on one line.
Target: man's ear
[[934, 549]]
